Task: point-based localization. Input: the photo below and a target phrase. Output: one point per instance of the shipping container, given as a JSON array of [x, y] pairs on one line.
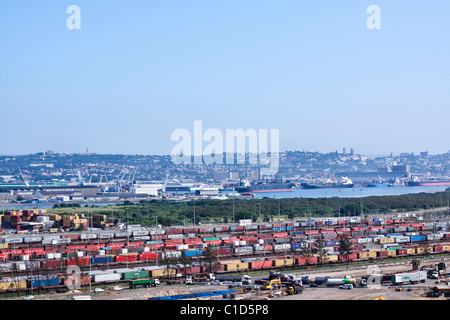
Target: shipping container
[[107, 277]]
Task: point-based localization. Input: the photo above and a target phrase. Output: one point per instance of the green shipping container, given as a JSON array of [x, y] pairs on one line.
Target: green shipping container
[[134, 275], [211, 239]]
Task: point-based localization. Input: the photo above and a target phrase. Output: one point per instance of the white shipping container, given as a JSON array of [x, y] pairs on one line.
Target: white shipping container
[[13, 240], [141, 237], [154, 232], [175, 236], [108, 277], [80, 253], [25, 258], [21, 266], [57, 255], [245, 222], [171, 254], [140, 233], [242, 243], [402, 239], [123, 250], [50, 256], [432, 236]]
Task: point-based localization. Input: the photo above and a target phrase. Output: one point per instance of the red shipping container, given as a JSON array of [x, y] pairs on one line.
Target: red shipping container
[[48, 264], [148, 256], [383, 254], [285, 234], [351, 256], [81, 261], [134, 244], [71, 236], [125, 258], [260, 264]]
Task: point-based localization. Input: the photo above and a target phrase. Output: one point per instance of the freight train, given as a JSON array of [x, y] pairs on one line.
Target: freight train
[[370, 239]]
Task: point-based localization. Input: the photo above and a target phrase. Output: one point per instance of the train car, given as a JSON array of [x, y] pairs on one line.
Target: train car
[[43, 282], [6, 286]]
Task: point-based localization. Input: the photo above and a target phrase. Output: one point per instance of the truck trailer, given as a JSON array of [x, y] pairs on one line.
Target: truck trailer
[[409, 278]]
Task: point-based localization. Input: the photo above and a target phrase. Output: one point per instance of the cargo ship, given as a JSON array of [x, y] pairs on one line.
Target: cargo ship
[[416, 183], [264, 187], [347, 183]]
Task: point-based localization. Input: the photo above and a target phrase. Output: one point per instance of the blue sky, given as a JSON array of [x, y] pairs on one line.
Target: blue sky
[[138, 70]]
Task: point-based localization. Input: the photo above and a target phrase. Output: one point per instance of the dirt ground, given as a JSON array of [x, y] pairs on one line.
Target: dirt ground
[[321, 293]]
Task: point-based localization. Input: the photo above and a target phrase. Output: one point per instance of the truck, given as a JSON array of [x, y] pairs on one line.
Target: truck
[[201, 278], [409, 278], [245, 279], [340, 281], [133, 284], [294, 289], [85, 297], [272, 284]]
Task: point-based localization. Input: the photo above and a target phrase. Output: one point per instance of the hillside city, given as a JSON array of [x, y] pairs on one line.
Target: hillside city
[[49, 167]]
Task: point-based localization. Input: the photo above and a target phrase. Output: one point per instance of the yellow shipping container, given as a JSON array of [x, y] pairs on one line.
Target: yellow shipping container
[[236, 266], [410, 251], [4, 286], [333, 257], [230, 261], [391, 253], [446, 247], [3, 246], [162, 273], [283, 262]]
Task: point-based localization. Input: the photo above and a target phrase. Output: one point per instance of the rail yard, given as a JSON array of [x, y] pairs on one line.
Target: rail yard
[[143, 263]]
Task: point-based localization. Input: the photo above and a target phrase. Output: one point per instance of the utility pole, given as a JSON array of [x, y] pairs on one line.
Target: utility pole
[[309, 231], [233, 210], [279, 209], [259, 219], [156, 226]]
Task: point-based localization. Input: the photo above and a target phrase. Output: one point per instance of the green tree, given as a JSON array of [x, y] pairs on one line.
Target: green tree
[[185, 262], [345, 246], [209, 258]]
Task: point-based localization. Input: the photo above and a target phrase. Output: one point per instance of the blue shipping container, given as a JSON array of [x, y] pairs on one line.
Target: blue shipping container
[[105, 259], [43, 282], [418, 238]]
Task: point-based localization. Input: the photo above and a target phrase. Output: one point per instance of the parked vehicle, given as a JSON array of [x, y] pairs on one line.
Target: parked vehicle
[[348, 286]]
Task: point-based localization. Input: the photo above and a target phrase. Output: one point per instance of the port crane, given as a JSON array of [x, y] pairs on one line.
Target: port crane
[[23, 178], [80, 178]]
